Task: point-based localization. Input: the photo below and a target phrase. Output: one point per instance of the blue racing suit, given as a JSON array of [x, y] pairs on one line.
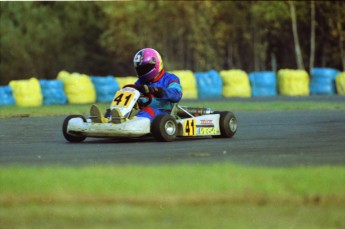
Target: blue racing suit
[[172, 93]]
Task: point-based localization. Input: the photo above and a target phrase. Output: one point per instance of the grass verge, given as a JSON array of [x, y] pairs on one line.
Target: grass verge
[[172, 196]]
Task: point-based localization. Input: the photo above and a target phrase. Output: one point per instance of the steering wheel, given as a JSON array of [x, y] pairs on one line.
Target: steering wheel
[[140, 103]]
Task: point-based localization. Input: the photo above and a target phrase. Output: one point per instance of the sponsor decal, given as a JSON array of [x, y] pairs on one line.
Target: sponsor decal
[[138, 59], [207, 131], [206, 122]]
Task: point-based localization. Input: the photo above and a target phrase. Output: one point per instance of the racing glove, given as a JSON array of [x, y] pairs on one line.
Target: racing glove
[[146, 90], [157, 91]]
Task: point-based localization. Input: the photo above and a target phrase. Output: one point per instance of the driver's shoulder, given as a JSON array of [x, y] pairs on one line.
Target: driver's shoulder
[[170, 78]]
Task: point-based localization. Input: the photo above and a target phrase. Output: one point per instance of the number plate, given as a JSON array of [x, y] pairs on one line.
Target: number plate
[[122, 98], [189, 127]]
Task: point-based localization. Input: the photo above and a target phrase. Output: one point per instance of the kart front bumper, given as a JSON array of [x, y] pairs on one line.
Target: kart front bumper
[[133, 128]]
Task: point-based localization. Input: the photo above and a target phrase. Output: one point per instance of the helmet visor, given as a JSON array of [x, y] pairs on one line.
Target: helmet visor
[[143, 69]]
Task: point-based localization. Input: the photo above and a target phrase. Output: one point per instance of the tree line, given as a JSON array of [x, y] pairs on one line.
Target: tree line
[[38, 39]]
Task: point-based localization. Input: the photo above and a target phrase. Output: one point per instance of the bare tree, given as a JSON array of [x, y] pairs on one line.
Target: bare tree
[[312, 35], [298, 52], [341, 36]]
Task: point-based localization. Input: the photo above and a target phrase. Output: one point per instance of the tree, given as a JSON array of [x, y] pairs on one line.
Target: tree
[[298, 51], [340, 10], [312, 36], [100, 38]]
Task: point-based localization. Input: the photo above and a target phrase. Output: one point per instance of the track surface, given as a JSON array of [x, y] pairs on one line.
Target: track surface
[[274, 138]]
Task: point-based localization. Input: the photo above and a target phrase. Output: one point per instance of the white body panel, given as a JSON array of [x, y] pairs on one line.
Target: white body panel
[[133, 128]]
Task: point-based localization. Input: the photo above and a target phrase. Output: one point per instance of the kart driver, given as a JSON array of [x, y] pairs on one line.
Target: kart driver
[[164, 88]]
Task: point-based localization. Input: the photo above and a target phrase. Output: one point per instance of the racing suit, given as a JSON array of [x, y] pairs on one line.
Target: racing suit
[[169, 84]]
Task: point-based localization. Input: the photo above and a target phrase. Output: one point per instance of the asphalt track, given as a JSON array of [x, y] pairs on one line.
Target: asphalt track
[[275, 138]]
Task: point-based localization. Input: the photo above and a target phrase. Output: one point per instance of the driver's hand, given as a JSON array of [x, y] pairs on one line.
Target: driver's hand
[[157, 91], [143, 89], [146, 90]]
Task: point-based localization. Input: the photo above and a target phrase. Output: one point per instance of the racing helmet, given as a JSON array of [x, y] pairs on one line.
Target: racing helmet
[[148, 64]]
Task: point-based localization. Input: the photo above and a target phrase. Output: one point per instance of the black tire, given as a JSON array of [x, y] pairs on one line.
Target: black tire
[[69, 137], [164, 128], [227, 124]]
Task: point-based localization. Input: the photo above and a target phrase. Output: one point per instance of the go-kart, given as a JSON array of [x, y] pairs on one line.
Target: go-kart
[[181, 122]]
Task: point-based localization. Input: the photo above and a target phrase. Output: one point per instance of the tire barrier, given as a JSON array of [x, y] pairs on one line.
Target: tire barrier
[[293, 82], [53, 92], [105, 86], [340, 83], [122, 81], [323, 81], [235, 83], [188, 83], [6, 96], [209, 84], [78, 88], [27, 93], [263, 83]]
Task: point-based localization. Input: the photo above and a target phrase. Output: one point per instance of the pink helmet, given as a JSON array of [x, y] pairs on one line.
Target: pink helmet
[[148, 64]]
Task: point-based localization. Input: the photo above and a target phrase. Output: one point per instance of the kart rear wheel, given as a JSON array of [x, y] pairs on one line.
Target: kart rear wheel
[[164, 128], [69, 137], [227, 124]]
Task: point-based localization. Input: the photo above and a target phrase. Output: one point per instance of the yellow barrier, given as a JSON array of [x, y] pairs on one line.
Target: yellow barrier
[[79, 88], [235, 83], [27, 93], [122, 81], [293, 82], [340, 83], [188, 83]]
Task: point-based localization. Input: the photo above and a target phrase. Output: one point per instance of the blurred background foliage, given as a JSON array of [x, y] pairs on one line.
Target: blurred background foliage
[[100, 38]]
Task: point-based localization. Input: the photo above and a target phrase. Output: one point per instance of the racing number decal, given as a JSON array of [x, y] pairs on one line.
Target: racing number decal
[[122, 99], [189, 127]]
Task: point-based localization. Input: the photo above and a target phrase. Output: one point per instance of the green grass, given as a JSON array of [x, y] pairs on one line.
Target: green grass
[[143, 181], [54, 110], [172, 196]]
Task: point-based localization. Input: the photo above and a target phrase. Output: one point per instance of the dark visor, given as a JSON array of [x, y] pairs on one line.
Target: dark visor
[[143, 69]]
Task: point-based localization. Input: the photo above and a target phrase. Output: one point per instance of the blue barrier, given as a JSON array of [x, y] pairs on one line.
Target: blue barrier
[[263, 83], [53, 92], [105, 86], [209, 84], [6, 96], [323, 81]]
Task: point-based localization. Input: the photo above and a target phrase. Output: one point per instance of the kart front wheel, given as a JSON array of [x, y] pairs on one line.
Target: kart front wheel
[[164, 128], [227, 124], [69, 137]]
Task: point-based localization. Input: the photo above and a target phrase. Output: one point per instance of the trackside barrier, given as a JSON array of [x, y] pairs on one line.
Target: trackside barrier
[[82, 89], [122, 81], [340, 83], [53, 92], [263, 83], [235, 83], [323, 81], [27, 93], [6, 96], [209, 84], [188, 83], [105, 87], [78, 87], [293, 82]]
